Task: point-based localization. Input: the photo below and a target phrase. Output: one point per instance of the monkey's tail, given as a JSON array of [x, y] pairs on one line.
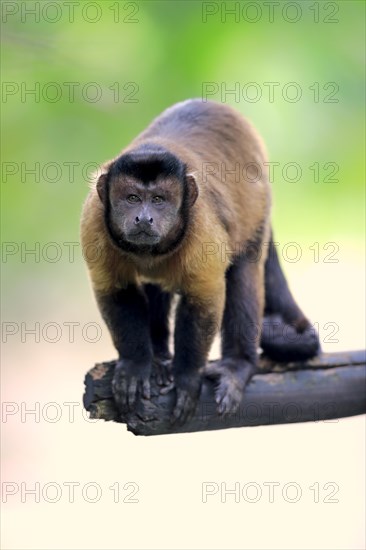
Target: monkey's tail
[[287, 334]]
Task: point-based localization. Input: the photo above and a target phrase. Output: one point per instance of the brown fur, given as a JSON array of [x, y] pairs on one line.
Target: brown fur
[[243, 205], [231, 211]]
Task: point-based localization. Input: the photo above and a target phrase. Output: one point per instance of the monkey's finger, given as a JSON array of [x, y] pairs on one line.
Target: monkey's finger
[[119, 389], [132, 389], [184, 410], [178, 412], [219, 402], [167, 389], [166, 371], [168, 376], [222, 406], [159, 376], [221, 394], [226, 403], [226, 406], [221, 409], [162, 370], [146, 389]]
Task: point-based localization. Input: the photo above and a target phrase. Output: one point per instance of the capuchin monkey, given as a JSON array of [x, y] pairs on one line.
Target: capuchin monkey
[[185, 209]]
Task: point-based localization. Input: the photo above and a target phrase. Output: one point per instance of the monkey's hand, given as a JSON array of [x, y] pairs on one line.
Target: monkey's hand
[[129, 379], [187, 388], [162, 363], [231, 377], [188, 391]]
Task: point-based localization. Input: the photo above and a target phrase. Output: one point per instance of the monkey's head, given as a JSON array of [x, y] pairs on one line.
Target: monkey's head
[[147, 196]]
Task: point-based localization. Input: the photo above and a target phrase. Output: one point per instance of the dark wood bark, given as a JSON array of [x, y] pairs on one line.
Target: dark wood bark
[[332, 385]]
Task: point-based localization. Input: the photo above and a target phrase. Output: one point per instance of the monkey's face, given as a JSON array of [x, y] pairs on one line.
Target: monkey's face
[[145, 214], [147, 196]]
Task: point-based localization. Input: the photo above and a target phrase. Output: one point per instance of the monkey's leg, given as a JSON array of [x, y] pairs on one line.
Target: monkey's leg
[[287, 334], [159, 308], [240, 333], [126, 315]]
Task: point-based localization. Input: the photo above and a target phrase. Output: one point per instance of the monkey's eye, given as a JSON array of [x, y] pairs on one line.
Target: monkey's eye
[[133, 199], [157, 199]]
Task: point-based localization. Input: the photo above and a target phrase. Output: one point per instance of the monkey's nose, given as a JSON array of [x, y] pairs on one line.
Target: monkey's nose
[[143, 222]]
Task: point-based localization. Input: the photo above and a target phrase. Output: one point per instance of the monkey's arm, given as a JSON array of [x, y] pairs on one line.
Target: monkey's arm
[[125, 312], [197, 321]]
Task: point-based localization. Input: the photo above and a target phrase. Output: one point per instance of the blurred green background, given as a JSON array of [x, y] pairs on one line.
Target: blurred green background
[[168, 53]]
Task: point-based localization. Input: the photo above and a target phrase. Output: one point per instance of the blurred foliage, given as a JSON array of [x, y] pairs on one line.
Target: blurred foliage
[[168, 53]]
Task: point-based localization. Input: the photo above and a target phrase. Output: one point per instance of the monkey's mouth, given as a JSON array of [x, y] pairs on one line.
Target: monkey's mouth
[[143, 237]]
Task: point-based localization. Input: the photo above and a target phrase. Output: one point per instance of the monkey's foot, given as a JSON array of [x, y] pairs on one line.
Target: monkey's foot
[[130, 379], [162, 364], [231, 376], [283, 342]]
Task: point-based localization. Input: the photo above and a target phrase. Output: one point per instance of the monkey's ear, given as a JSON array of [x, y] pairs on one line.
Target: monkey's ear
[[102, 188], [192, 189]]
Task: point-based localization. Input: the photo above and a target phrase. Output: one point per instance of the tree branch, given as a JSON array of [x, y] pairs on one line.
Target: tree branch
[[329, 386]]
